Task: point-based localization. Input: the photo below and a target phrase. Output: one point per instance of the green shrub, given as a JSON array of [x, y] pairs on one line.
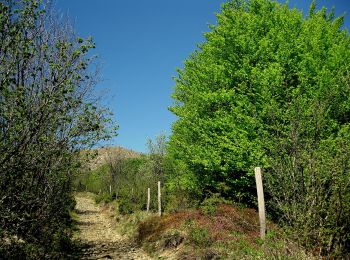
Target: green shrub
[[270, 87], [199, 236], [103, 198], [44, 124], [127, 206], [209, 205]]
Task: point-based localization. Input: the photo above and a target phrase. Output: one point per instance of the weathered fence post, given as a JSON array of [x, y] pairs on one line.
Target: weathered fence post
[[159, 200], [110, 189], [148, 198], [261, 202]]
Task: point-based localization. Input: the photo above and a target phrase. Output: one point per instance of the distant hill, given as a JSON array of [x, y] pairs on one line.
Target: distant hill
[[101, 155]]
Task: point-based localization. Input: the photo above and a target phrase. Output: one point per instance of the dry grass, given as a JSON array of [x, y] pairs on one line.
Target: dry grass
[[229, 233], [221, 225]]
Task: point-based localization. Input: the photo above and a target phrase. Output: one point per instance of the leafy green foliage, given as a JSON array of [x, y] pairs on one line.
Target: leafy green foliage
[[95, 180], [127, 177], [199, 236], [103, 198], [270, 88], [47, 114], [209, 205]]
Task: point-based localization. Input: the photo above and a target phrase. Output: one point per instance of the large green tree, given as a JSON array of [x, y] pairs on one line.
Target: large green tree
[[270, 87], [47, 114]]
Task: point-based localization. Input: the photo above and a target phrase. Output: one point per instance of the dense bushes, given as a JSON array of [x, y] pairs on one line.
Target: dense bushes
[[126, 177], [128, 185], [46, 116], [270, 88]]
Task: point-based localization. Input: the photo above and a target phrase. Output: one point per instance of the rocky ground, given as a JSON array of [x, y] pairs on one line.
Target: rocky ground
[[98, 235]]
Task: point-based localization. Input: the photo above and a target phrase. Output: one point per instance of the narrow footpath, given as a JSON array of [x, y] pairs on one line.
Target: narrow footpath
[[98, 235]]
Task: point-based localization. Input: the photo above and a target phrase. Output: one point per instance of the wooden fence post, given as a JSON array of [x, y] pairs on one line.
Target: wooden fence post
[[159, 200], [261, 202], [110, 189], [148, 198]]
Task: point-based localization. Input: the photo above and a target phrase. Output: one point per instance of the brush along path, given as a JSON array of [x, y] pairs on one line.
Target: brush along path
[[98, 235]]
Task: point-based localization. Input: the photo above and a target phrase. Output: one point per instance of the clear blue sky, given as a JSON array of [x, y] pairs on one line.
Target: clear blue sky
[[140, 45]]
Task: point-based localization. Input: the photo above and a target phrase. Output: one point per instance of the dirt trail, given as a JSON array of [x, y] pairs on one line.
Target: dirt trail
[[98, 236]]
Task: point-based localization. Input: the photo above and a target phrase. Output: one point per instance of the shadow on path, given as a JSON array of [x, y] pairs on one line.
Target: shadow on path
[[97, 237]]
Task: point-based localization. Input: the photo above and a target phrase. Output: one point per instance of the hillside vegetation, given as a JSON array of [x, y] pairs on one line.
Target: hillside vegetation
[[269, 87], [213, 228], [48, 113]]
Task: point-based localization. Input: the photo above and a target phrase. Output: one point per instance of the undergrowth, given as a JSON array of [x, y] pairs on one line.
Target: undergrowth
[[217, 229], [227, 232]]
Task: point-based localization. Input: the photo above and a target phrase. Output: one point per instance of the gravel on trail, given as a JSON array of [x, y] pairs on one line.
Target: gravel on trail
[[98, 235]]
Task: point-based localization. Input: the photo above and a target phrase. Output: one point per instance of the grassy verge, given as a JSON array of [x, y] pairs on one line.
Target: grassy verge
[[214, 231], [227, 233]]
